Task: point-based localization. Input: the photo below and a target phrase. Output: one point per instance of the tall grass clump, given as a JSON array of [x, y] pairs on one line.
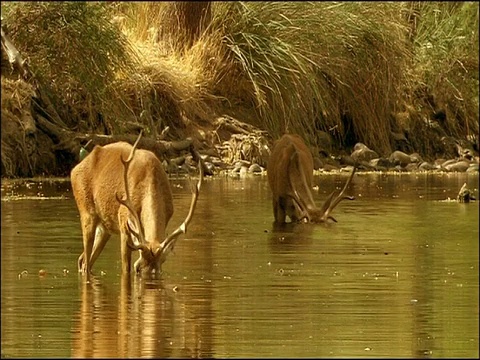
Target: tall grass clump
[[169, 88], [76, 52], [446, 65], [309, 66], [138, 20]]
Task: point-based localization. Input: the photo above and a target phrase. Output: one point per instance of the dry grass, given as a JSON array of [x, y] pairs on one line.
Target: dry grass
[[345, 68]]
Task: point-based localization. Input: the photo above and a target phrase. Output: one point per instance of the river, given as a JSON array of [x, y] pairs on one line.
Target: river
[[397, 276]]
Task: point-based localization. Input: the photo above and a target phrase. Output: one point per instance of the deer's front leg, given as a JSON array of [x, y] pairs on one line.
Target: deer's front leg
[[279, 210], [126, 252], [80, 262], [140, 263]]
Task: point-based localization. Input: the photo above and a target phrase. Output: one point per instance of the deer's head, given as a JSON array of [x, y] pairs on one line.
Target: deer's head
[[153, 255], [290, 173]]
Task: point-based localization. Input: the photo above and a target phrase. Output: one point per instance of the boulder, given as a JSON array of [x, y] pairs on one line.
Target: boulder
[[400, 158], [361, 152]]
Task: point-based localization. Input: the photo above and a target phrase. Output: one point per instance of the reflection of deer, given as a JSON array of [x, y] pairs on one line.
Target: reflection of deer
[[140, 324], [142, 318], [290, 175], [104, 181], [284, 237]]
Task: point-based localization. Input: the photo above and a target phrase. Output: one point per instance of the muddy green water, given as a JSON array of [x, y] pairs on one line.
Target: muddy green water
[[397, 276]]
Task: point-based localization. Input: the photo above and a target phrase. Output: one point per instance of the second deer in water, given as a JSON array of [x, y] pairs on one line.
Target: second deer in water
[[290, 176]]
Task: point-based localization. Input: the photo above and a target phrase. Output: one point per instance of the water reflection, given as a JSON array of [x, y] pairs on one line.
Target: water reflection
[[396, 276], [142, 320]]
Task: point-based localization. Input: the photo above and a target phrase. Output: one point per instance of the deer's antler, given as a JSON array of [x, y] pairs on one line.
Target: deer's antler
[[139, 234], [331, 202], [167, 245]]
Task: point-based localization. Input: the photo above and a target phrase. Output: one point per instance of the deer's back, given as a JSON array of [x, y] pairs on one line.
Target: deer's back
[[100, 176], [281, 171]]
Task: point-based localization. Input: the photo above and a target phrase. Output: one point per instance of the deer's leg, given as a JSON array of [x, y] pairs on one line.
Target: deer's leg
[[126, 252], [292, 211], [139, 264], [88, 232], [101, 238], [279, 210], [80, 262]]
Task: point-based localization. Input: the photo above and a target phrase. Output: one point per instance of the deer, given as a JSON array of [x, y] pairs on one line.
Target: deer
[[290, 177], [120, 189]]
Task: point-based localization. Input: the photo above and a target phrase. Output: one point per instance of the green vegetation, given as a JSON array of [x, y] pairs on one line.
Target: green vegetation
[[76, 53], [445, 70], [393, 75]]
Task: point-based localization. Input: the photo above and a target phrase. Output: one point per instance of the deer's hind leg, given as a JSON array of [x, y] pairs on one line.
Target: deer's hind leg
[[101, 238], [88, 233]]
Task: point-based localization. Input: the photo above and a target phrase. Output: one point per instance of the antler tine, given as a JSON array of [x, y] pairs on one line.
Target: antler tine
[[331, 202], [300, 206], [127, 201], [168, 243], [299, 202], [130, 157], [139, 235]]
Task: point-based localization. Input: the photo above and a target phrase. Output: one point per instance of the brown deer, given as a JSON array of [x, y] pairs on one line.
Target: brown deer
[[290, 176], [131, 197]]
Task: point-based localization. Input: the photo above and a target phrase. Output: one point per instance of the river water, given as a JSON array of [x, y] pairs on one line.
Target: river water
[[397, 276]]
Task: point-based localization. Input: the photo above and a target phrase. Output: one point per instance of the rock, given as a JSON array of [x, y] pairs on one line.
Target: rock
[[219, 163], [255, 168], [473, 168], [416, 158], [329, 167], [448, 162], [411, 167], [209, 168], [360, 146], [362, 153], [347, 169], [400, 158], [460, 166], [346, 160], [241, 164], [243, 171], [381, 163], [426, 166]]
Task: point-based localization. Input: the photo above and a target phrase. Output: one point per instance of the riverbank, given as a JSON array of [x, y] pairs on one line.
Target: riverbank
[[252, 72]]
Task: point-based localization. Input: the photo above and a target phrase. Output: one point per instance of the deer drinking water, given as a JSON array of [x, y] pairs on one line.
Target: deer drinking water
[[131, 197], [290, 176]]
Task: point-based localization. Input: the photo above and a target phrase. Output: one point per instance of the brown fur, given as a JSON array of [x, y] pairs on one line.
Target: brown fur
[[98, 179], [290, 176]]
